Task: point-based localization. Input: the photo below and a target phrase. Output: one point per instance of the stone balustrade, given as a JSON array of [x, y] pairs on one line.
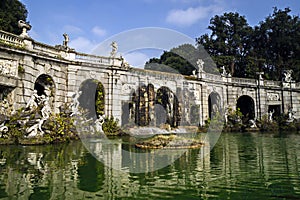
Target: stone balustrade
[[213, 77], [244, 81], [93, 59], [10, 38], [40, 47], [272, 83]]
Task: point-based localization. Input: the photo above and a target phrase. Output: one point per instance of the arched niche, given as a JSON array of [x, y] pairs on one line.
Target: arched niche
[[246, 105], [214, 104], [92, 98]]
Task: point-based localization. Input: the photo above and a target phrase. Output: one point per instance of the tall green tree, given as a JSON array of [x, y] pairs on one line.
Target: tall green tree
[[174, 60], [182, 59], [277, 41], [11, 11], [229, 42]]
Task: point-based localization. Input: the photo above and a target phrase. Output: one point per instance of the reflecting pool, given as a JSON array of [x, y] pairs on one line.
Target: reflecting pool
[[240, 166]]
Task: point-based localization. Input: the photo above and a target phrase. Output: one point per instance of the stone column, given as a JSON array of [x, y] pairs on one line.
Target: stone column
[[116, 101]]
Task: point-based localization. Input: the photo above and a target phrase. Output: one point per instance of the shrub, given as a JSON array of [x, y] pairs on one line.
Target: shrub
[[111, 127], [266, 125]]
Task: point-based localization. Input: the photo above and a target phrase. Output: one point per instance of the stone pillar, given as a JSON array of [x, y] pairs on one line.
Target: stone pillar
[[109, 94], [26, 81], [73, 82], [116, 101], [205, 109]]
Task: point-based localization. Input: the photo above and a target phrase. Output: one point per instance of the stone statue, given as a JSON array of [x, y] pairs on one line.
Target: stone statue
[[33, 131], [224, 73], [25, 27], [194, 73], [46, 110], [36, 129], [114, 49], [47, 90], [226, 116], [291, 116], [99, 122], [260, 76], [252, 123], [270, 115], [66, 40], [32, 103], [75, 103], [288, 76], [4, 107], [200, 64], [3, 129]]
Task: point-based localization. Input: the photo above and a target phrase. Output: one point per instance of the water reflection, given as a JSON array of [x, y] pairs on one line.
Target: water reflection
[[241, 166]]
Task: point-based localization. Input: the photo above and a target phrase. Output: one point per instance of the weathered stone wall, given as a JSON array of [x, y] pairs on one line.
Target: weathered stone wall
[[22, 61]]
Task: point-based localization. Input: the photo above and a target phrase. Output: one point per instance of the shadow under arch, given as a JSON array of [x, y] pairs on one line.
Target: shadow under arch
[[44, 85], [170, 114], [128, 110], [214, 104], [92, 98], [246, 105]]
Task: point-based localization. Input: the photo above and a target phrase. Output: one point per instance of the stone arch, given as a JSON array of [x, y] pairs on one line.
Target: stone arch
[[214, 104], [44, 85], [247, 107], [92, 98], [170, 114]]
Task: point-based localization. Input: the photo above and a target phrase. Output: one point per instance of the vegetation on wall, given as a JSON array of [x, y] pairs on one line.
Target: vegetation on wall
[[100, 99]]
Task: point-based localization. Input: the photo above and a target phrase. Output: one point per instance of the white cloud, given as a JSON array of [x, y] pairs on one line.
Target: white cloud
[[192, 15], [82, 44], [137, 59], [99, 31], [70, 29], [34, 35]]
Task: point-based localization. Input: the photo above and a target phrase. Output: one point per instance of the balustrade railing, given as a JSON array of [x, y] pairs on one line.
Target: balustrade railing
[[93, 59], [10, 38], [46, 48], [213, 77], [244, 81], [272, 83]]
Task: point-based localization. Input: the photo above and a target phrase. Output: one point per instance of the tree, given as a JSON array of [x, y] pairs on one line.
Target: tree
[[182, 59], [171, 61], [11, 11], [277, 41], [272, 47], [229, 43]]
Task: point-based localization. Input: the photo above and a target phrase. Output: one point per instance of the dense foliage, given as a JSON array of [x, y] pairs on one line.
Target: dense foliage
[[111, 127], [272, 47], [100, 99], [11, 11], [182, 59]]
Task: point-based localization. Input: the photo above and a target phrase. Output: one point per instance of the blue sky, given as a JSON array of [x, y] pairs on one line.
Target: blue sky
[[90, 22]]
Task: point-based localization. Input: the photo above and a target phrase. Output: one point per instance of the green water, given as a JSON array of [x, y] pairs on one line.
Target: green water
[[240, 166]]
